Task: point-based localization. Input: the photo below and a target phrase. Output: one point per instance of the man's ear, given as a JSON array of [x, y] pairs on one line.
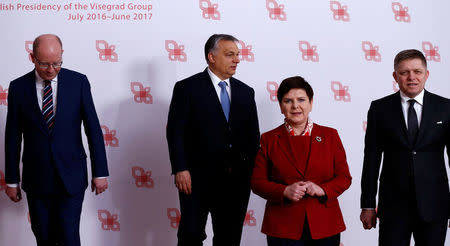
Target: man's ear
[[211, 57]]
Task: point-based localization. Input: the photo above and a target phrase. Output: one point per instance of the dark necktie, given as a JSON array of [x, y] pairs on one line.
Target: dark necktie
[[47, 105], [413, 124], [224, 98]]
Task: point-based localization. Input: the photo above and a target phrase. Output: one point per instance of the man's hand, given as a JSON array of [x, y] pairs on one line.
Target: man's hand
[[314, 190], [295, 191], [368, 218], [99, 185], [14, 193], [183, 182]]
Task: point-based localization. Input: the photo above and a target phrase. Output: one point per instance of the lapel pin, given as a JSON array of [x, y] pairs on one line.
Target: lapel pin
[[318, 139], [439, 122]]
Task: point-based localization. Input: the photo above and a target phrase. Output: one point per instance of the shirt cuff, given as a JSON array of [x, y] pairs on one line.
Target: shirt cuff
[[368, 208], [100, 177], [12, 185]]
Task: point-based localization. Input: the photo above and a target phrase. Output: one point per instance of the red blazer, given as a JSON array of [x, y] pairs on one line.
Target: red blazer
[[276, 166]]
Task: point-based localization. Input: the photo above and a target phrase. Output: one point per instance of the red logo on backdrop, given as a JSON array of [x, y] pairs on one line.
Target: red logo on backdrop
[[141, 93], [309, 52], [110, 137], [364, 125], [246, 53], [339, 11], [2, 181], [29, 48], [174, 216], [29, 218], [250, 219], [400, 13], [272, 88], [143, 178], [340, 92], [106, 52], [176, 52], [3, 96], [371, 51], [276, 11], [109, 221], [209, 10], [395, 86], [431, 52]]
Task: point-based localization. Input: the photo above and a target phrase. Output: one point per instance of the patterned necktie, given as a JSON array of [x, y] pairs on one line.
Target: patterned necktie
[[47, 105], [413, 124], [224, 99]]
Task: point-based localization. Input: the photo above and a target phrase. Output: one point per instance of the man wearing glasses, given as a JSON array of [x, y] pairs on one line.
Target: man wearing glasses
[[46, 108]]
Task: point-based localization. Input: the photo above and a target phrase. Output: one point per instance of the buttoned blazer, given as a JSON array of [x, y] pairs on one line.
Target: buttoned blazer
[[60, 152], [276, 167], [410, 171], [199, 137]]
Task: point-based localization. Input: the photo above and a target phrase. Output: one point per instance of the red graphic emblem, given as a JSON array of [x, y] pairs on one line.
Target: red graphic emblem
[[250, 219], [2, 181], [431, 52], [371, 52], [141, 93], [109, 221], [29, 218], [3, 96], [246, 53], [176, 52], [106, 52], [272, 88], [143, 178], [209, 10], [400, 12], [174, 216], [364, 125], [110, 137], [276, 11], [395, 86], [339, 11], [309, 52], [340, 92], [29, 48]]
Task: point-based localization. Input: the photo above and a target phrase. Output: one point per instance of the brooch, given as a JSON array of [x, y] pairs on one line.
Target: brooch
[[318, 139]]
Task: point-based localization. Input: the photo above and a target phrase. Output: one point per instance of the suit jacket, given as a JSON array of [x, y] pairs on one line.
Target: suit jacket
[[199, 137], [276, 167], [412, 172], [47, 156]]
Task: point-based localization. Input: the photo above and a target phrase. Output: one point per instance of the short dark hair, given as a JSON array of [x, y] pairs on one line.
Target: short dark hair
[[37, 41], [408, 55], [213, 41], [296, 82]]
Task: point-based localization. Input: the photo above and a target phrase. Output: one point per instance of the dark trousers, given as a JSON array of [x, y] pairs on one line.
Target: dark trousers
[[55, 219], [397, 231], [226, 198], [305, 240]]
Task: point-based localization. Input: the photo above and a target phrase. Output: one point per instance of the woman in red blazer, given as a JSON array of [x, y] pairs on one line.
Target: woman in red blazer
[[300, 169]]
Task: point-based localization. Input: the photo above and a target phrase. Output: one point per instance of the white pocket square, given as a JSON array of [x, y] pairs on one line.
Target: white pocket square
[[439, 123]]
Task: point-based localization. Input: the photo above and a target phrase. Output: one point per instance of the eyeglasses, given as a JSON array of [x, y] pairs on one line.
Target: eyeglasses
[[43, 65]]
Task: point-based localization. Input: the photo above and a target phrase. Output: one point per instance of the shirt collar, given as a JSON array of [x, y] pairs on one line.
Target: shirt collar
[[40, 80], [216, 80], [418, 98], [306, 132]]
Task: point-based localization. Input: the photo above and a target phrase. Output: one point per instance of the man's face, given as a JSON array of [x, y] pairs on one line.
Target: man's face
[[411, 76], [223, 61], [47, 59]]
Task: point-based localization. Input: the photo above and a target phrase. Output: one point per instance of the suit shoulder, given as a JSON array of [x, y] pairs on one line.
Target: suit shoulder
[[22, 79], [387, 99], [191, 80], [438, 98], [274, 132], [71, 73], [241, 84], [324, 129]]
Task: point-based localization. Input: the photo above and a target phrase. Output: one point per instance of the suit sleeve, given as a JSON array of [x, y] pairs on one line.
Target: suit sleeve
[[93, 131], [176, 128], [342, 179], [13, 137], [254, 128], [372, 161], [260, 181]]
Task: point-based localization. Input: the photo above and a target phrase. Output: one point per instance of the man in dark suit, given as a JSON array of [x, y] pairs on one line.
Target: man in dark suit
[[410, 129], [213, 137], [46, 108]]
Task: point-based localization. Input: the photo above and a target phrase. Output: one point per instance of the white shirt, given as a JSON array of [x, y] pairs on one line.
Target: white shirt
[[40, 90], [417, 106], [216, 80]]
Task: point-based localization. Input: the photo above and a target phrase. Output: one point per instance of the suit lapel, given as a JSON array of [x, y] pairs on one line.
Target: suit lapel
[[31, 95], [425, 121], [399, 118], [284, 143], [60, 98], [211, 95]]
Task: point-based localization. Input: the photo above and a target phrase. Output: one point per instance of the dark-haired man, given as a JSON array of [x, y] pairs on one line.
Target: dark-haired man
[[213, 137], [410, 129]]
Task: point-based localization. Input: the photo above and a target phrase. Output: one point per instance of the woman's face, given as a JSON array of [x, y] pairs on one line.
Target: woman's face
[[296, 106]]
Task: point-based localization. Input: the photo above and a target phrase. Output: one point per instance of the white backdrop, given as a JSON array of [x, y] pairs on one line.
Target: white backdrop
[[345, 49]]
